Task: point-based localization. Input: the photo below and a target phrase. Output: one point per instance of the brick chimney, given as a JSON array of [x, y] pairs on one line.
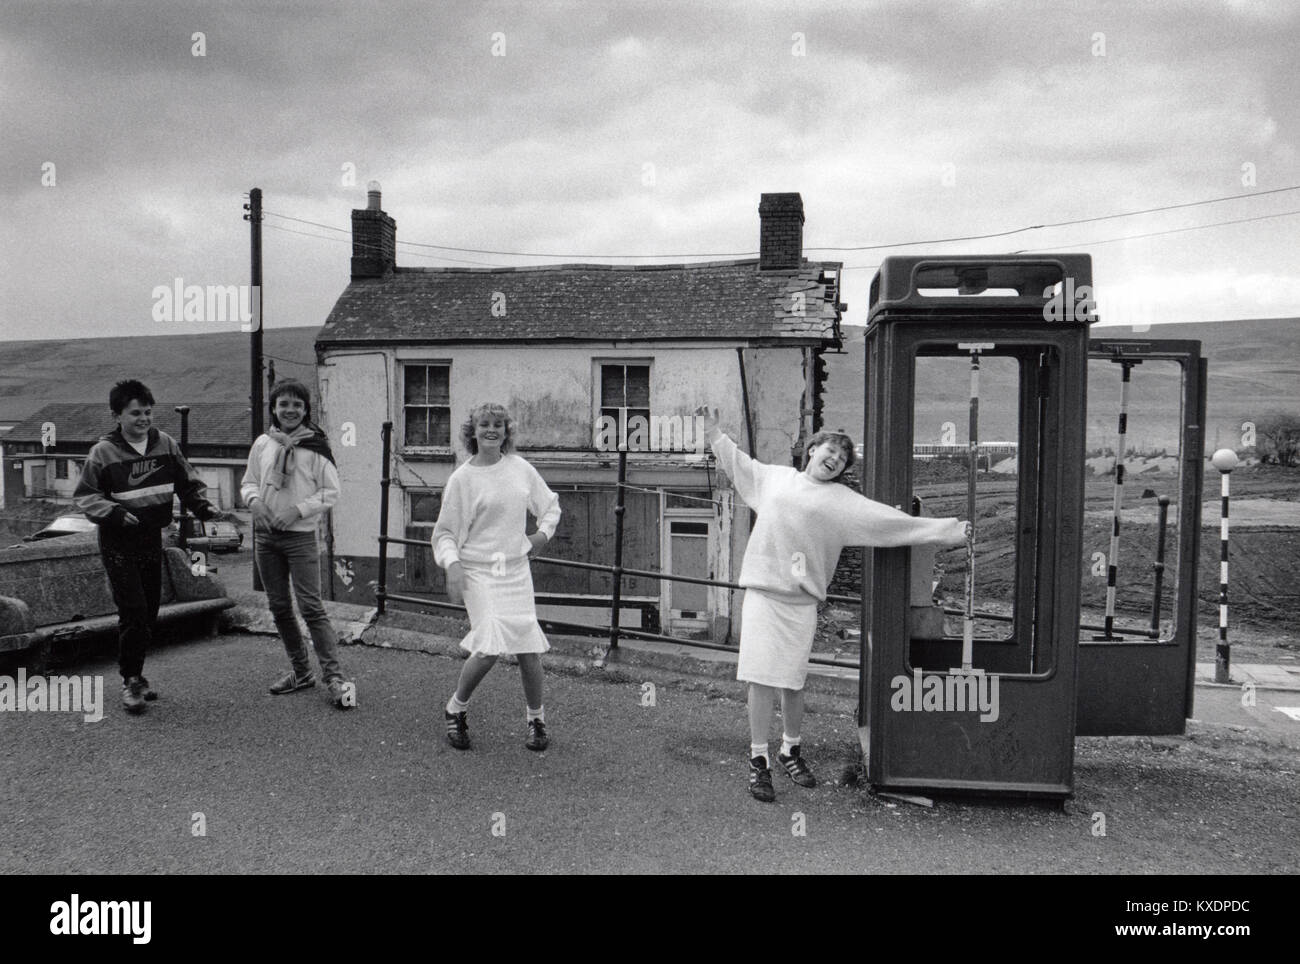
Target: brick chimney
[[374, 238], [780, 233]]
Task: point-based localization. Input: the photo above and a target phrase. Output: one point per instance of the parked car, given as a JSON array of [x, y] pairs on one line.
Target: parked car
[[212, 536], [64, 525]]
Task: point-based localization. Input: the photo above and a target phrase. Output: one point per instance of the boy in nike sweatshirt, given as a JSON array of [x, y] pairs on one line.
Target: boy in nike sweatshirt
[[126, 489]]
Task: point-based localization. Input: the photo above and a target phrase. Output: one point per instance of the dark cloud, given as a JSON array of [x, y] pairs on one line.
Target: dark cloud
[[608, 127]]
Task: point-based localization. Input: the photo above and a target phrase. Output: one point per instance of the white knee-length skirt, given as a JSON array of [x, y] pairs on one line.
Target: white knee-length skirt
[[776, 638], [502, 613]]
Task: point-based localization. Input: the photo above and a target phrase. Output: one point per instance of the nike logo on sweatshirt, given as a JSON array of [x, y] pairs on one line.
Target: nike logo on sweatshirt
[[142, 470]]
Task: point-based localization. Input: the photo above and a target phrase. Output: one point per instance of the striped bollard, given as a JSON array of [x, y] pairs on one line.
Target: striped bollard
[[1112, 561], [1225, 460]]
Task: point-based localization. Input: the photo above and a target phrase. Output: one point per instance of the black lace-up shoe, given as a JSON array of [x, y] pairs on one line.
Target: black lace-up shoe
[[457, 730], [537, 738], [133, 695], [797, 769], [760, 780]]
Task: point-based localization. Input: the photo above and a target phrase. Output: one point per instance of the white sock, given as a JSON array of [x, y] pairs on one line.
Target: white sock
[[788, 742], [456, 706], [757, 750], [537, 714]]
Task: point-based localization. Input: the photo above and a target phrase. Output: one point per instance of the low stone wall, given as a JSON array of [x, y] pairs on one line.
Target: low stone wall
[[58, 581]]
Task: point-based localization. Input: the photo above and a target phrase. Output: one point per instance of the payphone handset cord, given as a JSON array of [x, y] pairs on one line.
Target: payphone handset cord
[[968, 622]]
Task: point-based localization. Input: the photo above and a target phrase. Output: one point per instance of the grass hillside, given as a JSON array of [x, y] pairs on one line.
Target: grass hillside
[[1254, 367], [177, 368]]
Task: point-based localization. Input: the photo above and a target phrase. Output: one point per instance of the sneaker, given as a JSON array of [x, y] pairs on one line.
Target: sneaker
[[342, 694], [292, 683], [537, 738], [760, 780], [797, 769], [133, 691], [149, 694], [457, 730]]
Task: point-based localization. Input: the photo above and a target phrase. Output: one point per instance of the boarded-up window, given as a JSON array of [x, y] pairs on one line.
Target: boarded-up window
[[422, 573], [586, 534], [426, 405]]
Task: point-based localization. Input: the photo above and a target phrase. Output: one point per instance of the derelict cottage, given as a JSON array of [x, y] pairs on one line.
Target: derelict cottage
[[584, 356]]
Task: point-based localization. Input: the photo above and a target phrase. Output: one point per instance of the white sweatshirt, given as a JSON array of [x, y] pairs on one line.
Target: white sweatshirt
[[803, 524], [312, 488], [483, 512]]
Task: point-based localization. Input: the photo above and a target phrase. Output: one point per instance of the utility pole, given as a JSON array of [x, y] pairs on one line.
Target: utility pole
[[254, 217]]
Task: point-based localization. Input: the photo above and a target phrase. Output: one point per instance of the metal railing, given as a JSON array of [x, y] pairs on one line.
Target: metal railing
[[618, 571]]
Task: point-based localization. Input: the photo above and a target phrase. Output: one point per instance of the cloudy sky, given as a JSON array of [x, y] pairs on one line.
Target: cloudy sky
[[589, 130]]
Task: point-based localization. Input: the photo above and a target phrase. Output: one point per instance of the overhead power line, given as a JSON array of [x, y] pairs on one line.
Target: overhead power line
[[1156, 234], [1062, 224], [417, 254], [867, 247]]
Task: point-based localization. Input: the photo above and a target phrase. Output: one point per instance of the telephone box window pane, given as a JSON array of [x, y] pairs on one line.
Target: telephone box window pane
[[1152, 469], [941, 459]]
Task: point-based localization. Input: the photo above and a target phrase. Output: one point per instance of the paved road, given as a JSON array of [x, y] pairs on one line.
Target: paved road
[[1265, 713], [291, 784]]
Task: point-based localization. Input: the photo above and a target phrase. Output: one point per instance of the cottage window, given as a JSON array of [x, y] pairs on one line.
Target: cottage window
[[426, 405], [625, 392]]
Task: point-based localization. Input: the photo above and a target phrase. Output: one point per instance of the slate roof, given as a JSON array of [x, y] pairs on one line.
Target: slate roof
[[211, 423], [590, 302]]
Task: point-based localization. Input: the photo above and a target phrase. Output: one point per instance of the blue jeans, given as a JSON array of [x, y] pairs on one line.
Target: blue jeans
[[283, 556]]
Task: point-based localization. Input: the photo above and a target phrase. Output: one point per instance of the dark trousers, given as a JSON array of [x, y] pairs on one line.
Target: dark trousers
[[135, 574]]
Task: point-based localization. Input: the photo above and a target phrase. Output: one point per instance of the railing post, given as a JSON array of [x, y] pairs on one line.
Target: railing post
[[381, 591], [183, 537], [618, 549], [1160, 560]]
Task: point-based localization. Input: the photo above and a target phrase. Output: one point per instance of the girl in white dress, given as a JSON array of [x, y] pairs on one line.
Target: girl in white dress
[[480, 540], [803, 521]]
